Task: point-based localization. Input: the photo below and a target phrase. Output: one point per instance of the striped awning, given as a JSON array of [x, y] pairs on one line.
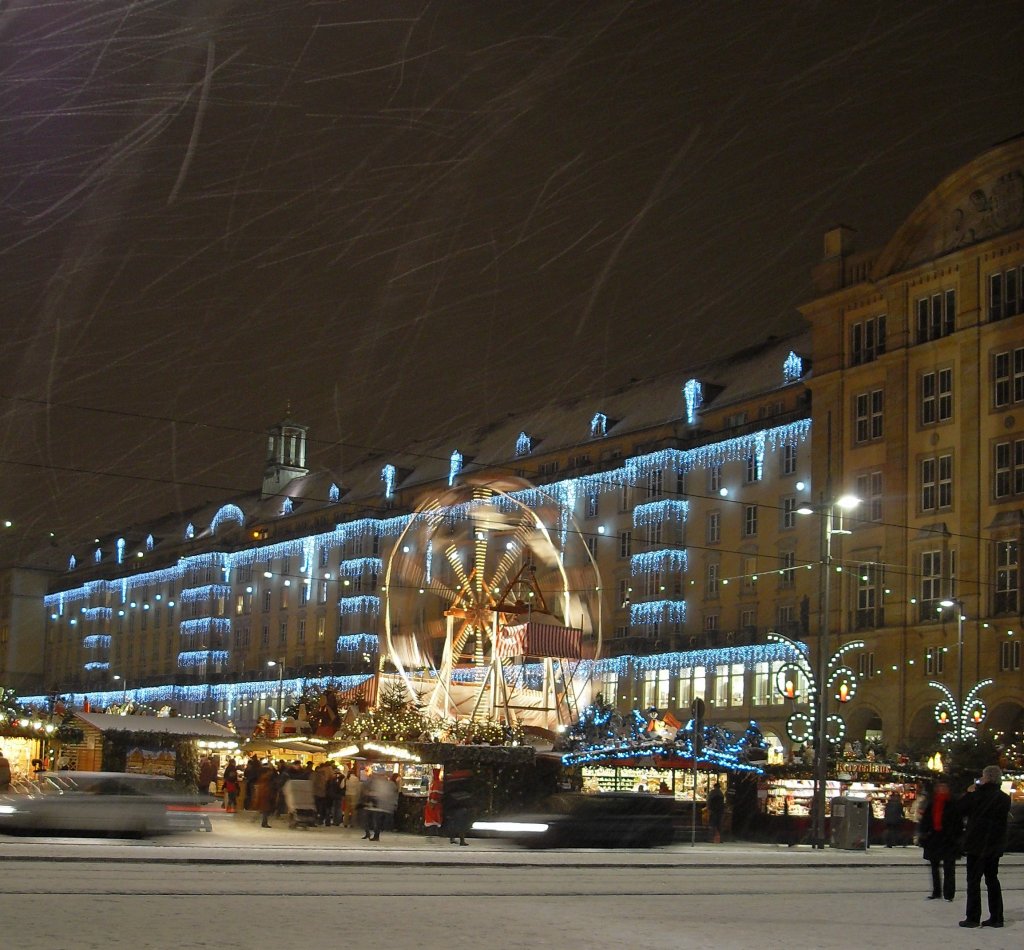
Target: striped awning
[[539, 639]]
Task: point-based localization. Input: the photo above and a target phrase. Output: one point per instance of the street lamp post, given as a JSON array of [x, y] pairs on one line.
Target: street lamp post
[[961, 712], [124, 687], [279, 663], [831, 513]]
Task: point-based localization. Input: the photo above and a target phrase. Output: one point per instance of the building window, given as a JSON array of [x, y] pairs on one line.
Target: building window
[[931, 584], [282, 633], [787, 574], [711, 623], [789, 507], [869, 596], [625, 498], [1009, 468], [711, 580], [715, 479], [934, 661], [1006, 293], [265, 635], [1007, 589], [869, 491], [936, 316], [1008, 377], [591, 505], [748, 572], [936, 483], [789, 456], [1009, 655], [654, 480], [268, 596], [749, 520], [869, 415], [624, 592], [625, 544], [300, 632], [321, 627], [867, 340], [304, 593], [592, 545], [754, 468], [865, 665], [936, 397], [714, 527]]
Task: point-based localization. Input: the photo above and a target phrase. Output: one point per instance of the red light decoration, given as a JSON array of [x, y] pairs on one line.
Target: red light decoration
[[790, 689], [844, 693]]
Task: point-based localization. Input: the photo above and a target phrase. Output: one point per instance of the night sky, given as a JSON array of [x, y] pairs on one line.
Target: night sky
[[405, 217]]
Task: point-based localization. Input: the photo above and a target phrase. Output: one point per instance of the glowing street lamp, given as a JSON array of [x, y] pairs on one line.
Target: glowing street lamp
[[832, 523]]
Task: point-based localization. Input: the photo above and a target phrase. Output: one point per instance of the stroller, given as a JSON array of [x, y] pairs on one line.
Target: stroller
[[298, 800]]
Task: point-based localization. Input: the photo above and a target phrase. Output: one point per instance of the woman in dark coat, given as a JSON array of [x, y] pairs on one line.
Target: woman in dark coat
[[938, 833]]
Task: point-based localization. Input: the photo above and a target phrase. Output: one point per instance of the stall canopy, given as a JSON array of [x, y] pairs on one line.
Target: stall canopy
[[539, 639], [171, 725]]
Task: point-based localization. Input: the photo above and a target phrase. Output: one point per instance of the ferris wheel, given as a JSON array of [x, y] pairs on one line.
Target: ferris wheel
[[483, 579]]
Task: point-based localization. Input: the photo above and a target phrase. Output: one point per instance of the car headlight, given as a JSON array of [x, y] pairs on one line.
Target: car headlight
[[526, 827]]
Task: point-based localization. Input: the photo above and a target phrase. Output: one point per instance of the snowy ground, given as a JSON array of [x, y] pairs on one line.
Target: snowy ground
[[242, 886]]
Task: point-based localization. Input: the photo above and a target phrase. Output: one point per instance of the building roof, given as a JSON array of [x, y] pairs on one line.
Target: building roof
[[172, 725]]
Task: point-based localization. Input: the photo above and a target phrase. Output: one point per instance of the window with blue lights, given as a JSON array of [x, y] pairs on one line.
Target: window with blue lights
[[598, 425]]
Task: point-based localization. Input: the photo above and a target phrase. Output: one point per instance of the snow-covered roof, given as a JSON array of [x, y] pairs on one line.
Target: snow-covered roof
[[172, 725]]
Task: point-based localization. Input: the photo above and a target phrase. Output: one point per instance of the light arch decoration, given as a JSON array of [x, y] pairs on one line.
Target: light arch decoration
[[225, 515]]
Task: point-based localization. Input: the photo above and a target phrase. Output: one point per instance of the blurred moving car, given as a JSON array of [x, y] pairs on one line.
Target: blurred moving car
[[101, 803], [607, 820]]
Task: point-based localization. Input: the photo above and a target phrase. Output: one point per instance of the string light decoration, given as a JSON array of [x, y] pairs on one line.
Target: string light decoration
[[204, 625], [693, 394], [709, 660], [334, 494], [94, 665], [356, 567], [656, 611], [357, 643], [658, 512], [841, 680], [191, 595], [388, 475], [120, 550], [225, 514], [234, 694], [960, 725], [96, 641], [72, 562], [792, 368], [287, 506], [650, 562], [454, 467], [598, 425], [360, 604], [194, 658], [524, 445], [190, 531], [149, 542], [97, 613]]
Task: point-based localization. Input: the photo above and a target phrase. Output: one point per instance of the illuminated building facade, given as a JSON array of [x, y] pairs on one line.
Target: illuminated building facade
[[918, 394]]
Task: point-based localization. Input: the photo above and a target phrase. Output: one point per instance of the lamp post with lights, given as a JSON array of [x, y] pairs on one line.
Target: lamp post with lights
[[953, 602], [279, 663], [831, 514]]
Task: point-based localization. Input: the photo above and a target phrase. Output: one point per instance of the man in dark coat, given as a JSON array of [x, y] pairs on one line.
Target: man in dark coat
[[986, 808], [716, 812]]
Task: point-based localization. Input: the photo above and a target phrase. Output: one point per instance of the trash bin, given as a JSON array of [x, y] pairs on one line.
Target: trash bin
[[851, 820]]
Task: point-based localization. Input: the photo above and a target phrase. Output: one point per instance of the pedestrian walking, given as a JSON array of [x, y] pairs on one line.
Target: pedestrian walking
[[264, 796], [353, 791], [893, 818], [716, 812], [433, 810], [457, 805], [231, 784], [335, 796], [938, 833], [987, 809], [381, 797], [207, 775]]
